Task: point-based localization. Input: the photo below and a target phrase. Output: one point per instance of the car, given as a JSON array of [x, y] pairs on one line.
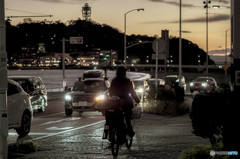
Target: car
[[94, 74], [35, 87], [141, 87], [87, 94], [173, 79], [20, 112], [203, 84], [160, 82]]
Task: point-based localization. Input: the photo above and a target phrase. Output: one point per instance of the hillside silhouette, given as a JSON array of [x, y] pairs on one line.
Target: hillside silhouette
[[24, 38]]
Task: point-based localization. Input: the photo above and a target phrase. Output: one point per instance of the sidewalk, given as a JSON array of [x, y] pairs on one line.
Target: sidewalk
[[156, 136]]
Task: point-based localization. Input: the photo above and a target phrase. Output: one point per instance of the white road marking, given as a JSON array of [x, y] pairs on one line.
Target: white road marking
[[56, 128], [57, 121], [11, 133], [42, 137], [49, 115]]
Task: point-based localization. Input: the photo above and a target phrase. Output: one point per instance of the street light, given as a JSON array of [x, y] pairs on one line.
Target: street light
[[180, 41], [206, 6], [140, 9]]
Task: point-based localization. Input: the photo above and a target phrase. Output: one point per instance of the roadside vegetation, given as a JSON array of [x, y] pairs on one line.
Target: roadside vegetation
[[168, 101], [203, 151], [19, 149]]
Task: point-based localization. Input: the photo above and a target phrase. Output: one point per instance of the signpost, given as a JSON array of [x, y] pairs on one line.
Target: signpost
[[158, 46], [76, 40], [73, 40]]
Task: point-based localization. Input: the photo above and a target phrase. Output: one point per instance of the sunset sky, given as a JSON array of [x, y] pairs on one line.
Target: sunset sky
[[157, 15]]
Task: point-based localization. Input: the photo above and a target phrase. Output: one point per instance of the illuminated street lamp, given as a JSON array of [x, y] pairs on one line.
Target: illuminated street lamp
[[206, 6], [140, 9]]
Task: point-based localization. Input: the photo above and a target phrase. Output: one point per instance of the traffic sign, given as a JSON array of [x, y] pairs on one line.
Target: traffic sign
[[225, 66], [76, 40], [161, 45]]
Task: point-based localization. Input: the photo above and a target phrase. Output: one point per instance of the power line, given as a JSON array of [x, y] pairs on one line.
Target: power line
[[23, 11]]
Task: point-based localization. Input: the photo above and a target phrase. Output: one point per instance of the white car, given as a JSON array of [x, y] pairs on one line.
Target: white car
[[203, 84], [20, 112]]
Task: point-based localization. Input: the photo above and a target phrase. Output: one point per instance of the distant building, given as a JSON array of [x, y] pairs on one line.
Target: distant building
[[27, 62], [54, 60]]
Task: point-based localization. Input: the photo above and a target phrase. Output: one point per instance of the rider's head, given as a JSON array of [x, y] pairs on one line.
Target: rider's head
[[121, 71]]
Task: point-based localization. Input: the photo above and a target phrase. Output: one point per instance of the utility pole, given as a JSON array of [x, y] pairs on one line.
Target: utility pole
[[63, 63], [3, 85], [180, 43]]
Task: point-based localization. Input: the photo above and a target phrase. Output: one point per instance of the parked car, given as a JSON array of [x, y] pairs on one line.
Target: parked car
[[141, 87], [203, 84], [174, 79], [160, 82], [94, 74], [35, 87], [87, 94], [20, 112]]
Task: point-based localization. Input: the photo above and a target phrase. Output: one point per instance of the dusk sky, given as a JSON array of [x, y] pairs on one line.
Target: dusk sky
[[157, 15]]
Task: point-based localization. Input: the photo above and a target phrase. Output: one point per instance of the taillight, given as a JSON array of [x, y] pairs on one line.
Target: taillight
[[28, 95]]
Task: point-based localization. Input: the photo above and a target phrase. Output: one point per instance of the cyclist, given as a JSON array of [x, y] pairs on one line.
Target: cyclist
[[121, 86]]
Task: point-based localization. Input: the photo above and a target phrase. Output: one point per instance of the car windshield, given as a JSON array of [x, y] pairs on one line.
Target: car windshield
[[90, 86], [152, 82], [172, 79], [138, 83], [202, 79], [23, 83]]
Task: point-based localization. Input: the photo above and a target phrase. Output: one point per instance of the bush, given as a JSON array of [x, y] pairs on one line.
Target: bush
[[166, 102], [18, 149], [215, 116]]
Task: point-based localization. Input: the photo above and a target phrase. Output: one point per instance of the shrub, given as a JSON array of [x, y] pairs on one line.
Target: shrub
[[18, 149], [214, 116], [165, 104]]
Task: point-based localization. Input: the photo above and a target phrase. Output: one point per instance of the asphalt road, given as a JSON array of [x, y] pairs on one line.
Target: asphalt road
[[54, 121]]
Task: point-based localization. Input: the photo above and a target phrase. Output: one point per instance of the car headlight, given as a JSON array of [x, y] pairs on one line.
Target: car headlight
[[68, 97], [100, 97], [204, 84], [162, 82], [191, 84], [139, 90]]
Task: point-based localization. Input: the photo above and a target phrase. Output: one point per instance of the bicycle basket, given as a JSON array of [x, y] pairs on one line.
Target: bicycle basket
[[137, 111]]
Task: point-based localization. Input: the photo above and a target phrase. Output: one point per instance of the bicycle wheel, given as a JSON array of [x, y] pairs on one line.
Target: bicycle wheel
[[115, 148], [129, 143]]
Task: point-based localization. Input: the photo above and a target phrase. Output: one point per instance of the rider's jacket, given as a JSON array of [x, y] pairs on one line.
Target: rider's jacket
[[122, 87]]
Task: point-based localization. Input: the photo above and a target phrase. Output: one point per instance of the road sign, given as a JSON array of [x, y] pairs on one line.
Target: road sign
[[160, 56], [225, 66], [161, 46], [76, 40]]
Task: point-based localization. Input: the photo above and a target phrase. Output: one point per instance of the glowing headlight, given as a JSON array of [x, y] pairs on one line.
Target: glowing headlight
[[162, 82], [100, 97], [204, 84], [68, 97], [191, 84], [140, 90]]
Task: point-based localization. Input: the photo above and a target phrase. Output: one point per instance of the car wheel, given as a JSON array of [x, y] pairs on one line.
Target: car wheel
[[68, 112], [25, 125], [42, 109]]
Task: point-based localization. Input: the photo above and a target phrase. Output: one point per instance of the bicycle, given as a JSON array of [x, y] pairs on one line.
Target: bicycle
[[115, 131]]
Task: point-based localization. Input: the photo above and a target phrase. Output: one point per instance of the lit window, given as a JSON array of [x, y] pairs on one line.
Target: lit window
[[146, 60], [147, 56], [198, 60], [171, 60]]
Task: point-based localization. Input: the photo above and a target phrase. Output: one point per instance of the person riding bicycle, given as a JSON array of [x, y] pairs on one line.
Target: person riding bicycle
[[121, 86]]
